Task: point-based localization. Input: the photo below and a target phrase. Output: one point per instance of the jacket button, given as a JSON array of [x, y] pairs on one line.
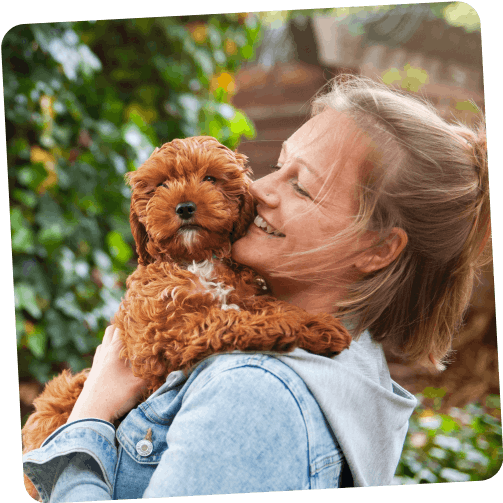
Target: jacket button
[[144, 447]]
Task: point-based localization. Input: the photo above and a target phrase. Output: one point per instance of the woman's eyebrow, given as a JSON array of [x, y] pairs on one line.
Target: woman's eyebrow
[[302, 161]]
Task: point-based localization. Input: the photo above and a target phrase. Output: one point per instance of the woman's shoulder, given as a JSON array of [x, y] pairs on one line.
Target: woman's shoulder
[[251, 368], [263, 381]]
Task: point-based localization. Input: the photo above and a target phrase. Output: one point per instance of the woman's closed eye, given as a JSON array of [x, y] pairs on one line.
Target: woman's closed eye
[[300, 190]]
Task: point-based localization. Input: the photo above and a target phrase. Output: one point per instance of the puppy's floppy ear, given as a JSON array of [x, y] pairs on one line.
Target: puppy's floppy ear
[[137, 228], [246, 211], [141, 238]]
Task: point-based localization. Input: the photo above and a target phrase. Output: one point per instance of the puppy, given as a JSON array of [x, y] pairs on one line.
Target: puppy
[[187, 300]]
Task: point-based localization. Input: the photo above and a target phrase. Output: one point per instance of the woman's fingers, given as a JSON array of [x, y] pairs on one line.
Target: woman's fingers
[[116, 334], [109, 333]]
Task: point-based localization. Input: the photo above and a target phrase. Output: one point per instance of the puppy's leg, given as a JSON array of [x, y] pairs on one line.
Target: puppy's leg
[[52, 409], [323, 334], [277, 326], [153, 316], [319, 333]]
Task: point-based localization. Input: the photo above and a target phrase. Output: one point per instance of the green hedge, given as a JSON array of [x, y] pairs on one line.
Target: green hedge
[[85, 103], [464, 445]]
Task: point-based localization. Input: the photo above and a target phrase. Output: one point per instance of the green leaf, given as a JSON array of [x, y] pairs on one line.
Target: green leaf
[[493, 402], [247, 51], [51, 235], [241, 125], [57, 328], [81, 339], [25, 197], [25, 298], [119, 249], [20, 328], [23, 240], [68, 304], [214, 36], [205, 61], [37, 342], [40, 370], [430, 392], [31, 176], [449, 425]]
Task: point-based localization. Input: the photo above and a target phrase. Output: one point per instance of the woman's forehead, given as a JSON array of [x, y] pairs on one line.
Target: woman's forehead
[[330, 130], [329, 140]]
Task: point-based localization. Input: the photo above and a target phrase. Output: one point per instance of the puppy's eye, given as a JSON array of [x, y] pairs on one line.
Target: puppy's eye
[[164, 184], [211, 179]]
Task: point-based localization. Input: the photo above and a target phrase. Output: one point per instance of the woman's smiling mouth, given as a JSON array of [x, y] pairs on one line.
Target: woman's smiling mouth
[[262, 224]]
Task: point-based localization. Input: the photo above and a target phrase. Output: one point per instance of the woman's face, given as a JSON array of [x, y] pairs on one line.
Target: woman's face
[[307, 200]]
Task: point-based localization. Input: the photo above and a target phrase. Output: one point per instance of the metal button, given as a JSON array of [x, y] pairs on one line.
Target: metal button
[[144, 447]]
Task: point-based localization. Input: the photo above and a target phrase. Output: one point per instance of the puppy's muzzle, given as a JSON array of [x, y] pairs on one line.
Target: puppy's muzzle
[[186, 210]]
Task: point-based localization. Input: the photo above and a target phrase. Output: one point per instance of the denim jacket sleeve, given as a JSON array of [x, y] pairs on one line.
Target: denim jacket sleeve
[[76, 463]]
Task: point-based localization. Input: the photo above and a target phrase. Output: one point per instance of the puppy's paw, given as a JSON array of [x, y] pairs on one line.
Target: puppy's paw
[[324, 335]]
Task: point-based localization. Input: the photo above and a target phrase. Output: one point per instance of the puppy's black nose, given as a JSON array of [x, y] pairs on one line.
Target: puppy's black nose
[[186, 210]]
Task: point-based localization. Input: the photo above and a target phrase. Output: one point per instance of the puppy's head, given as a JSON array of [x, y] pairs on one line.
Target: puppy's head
[[189, 200]]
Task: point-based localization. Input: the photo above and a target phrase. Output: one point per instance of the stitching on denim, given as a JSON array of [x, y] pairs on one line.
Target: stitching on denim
[[82, 449], [70, 425], [257, 360], [334, 458]]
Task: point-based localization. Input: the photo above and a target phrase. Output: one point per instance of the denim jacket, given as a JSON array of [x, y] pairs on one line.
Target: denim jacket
[[240, 422]]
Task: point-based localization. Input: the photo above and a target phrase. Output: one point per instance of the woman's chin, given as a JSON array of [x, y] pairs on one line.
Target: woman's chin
[[258, 250], [248, 252], [240, 248]]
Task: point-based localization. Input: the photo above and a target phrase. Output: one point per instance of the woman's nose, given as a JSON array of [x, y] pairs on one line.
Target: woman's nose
[[264, 190]]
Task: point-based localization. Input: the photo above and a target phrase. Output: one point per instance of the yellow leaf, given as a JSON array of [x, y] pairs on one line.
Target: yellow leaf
[[391, 75], [427, 413], [46, 105], [467, 105], [226, 82], [230, 47], [199, 33], [38, 154], [29, 327], [50, 181]]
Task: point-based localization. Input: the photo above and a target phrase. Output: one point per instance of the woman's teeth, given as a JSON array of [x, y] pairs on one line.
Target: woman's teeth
[[260, 222]]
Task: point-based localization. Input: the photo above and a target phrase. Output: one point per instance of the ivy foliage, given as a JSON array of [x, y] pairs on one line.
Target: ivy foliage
[[85, 103], [464, 445]]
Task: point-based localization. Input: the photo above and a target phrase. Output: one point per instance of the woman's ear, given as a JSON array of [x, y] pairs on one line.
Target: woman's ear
[[380, 255]]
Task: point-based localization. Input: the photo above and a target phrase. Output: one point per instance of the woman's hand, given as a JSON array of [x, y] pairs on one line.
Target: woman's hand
[[111, 390]]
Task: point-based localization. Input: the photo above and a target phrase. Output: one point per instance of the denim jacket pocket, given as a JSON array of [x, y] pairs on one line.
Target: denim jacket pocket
[[142, 439]]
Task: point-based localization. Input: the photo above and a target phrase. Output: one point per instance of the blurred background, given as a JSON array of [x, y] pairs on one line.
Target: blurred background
[[86, 102]]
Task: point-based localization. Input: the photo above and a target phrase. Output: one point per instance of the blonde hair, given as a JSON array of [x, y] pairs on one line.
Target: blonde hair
[[430, 178]]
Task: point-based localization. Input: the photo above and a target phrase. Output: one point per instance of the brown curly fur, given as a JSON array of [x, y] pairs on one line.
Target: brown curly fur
[[169, 319]]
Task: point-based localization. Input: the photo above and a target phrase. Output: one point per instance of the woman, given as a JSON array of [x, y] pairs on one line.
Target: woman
[[382, 210]]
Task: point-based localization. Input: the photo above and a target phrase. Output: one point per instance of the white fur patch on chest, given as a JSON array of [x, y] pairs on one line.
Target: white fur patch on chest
[[205, 273]]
